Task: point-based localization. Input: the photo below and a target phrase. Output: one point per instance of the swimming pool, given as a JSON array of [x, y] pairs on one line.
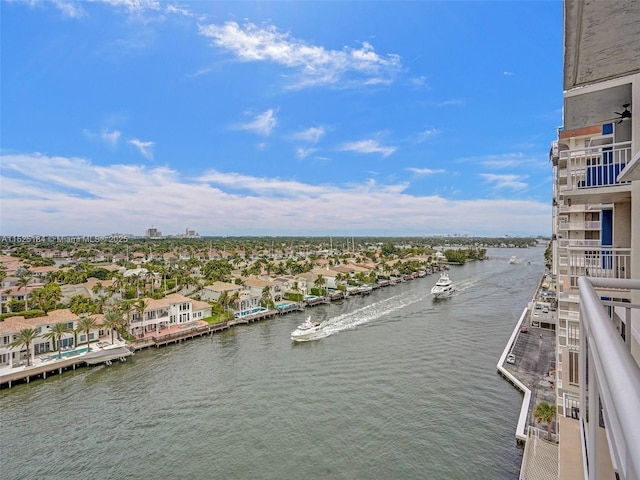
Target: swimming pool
[[189, 325], [69, 353], [244, 313]]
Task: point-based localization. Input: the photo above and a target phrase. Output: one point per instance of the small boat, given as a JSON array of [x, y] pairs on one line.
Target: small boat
[[513, 260], [309, 330], [107, 355], [444, 287]]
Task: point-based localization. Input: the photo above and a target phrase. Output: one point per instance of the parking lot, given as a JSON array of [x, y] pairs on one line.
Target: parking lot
[[534, 351]]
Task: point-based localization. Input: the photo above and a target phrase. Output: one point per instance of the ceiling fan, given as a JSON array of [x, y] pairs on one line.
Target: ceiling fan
[[623, 114]]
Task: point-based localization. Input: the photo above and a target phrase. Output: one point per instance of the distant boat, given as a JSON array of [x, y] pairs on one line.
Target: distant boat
[[513, 260], [309, 330], [444, 287]]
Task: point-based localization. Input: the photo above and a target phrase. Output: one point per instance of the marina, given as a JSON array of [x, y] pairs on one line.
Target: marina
[[254, 396]]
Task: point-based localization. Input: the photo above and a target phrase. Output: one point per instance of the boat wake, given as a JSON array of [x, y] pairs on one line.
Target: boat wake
[[465, 285], [349, 321]]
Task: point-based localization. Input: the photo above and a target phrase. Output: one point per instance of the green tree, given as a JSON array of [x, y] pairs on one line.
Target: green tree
[[47, 297], [25, 338], [86, 324], [23, 283], [319, 282], [57, 331], [266, 299], [545, 413], [112, 321]]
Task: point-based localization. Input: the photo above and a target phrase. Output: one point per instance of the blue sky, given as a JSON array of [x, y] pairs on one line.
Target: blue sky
[[278, 118]]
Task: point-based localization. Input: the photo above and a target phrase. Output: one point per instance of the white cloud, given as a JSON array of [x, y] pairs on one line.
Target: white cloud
[[70, 9], [368, 146], [111, 138], [71, 196], [508, 73], [303, 153], [432, 132], [145, 148], [313, 134], [314, 65], [513, 182], [456, 102], [421, 172], [262, 124]]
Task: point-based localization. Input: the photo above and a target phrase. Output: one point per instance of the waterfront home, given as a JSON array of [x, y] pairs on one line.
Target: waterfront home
[[10, 328], [159, 314], [257, 286], [211, 293], [292, 283]]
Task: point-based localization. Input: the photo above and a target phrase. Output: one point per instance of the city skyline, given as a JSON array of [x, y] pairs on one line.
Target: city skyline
[[279, 118]]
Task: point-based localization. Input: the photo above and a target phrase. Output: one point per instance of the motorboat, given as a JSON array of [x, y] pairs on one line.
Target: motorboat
[[444, 287], [513, 260], [309, 330]]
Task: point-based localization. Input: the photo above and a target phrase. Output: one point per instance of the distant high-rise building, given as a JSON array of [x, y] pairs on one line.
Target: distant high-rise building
[[153, 233], [596, 242]]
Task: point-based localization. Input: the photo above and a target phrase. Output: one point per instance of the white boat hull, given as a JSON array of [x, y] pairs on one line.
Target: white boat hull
[[307, 331]]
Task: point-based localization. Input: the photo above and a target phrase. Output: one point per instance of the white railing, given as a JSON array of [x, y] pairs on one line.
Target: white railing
[[568, 243], [599, 262], [579, 226], [613, 383], [596, 167]]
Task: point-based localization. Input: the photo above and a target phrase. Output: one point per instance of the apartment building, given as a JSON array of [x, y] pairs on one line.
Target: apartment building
[[596, 242]]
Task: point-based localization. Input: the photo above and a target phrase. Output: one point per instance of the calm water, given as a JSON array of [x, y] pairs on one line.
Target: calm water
[[403, 388]]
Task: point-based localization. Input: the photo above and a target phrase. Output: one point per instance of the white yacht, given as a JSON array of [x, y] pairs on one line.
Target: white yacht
[[444, 287], [309, 330], [513, 260]]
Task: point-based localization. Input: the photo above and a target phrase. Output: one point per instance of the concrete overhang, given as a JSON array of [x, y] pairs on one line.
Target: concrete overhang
[[631, 171]]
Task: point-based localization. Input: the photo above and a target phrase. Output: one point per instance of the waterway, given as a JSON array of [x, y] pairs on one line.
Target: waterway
[[403, 387]]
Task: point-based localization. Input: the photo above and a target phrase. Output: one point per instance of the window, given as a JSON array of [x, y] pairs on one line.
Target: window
[[573, 367], [6, 339], [39, 348]]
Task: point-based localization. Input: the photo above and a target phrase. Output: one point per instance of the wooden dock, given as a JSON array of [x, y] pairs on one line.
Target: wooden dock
[[41, 371]]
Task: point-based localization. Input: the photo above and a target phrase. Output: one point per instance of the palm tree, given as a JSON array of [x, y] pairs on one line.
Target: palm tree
[[545, 412], [112, 321], [140, 306], [319, 282], [125, 308], [265, 300], [86, 324], [25, 337], [23, 282], [58, 330], [233, 300]]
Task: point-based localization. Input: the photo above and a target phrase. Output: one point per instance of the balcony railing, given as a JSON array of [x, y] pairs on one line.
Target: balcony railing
[[596, 167], [574, 242], [580, 226], [599, 262], [613, 382]]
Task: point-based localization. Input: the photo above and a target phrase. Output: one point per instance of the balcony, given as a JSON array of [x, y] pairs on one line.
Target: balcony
[[579, 226], [576, 242], [598, 262], [613, 379], [592, 173]]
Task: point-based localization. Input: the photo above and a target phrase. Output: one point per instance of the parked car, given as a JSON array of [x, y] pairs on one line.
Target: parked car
[[545, 310], [511, 358], [524, 330]]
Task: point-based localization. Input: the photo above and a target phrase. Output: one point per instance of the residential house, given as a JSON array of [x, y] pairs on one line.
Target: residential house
[[211, 293], [256, 286], [162, 313], [11, 326]]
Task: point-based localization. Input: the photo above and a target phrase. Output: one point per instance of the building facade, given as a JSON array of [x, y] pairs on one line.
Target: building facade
[[596, 233]]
